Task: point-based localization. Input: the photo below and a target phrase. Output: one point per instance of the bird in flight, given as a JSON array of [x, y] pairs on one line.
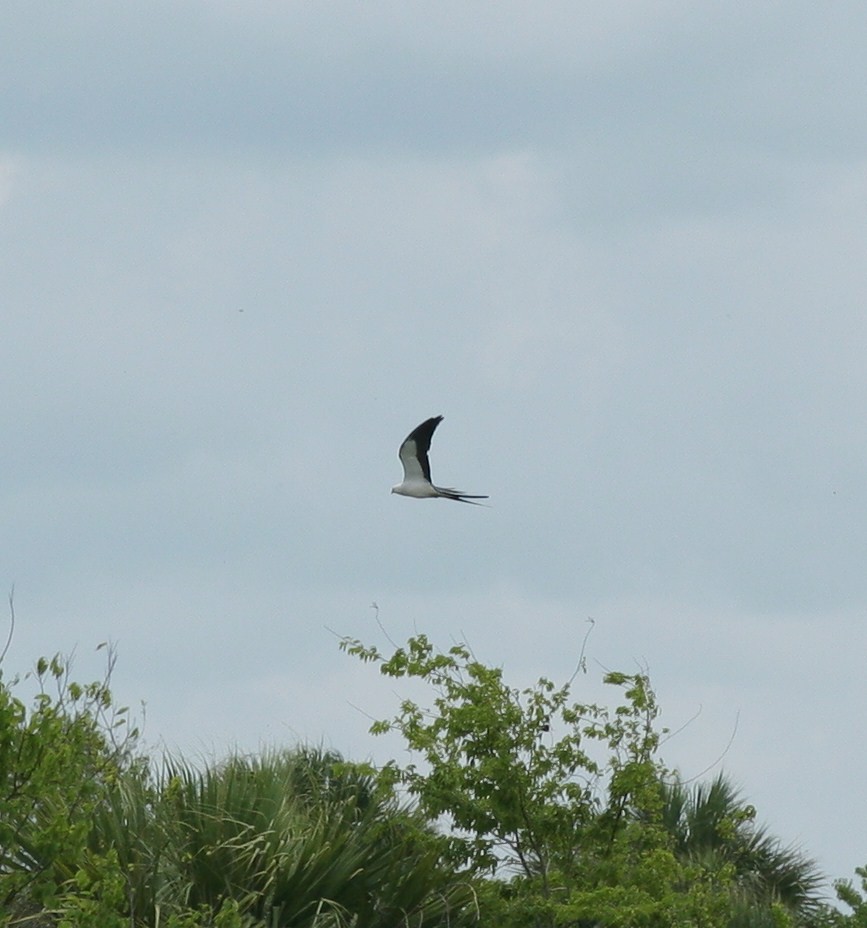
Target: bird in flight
[[416, 467]]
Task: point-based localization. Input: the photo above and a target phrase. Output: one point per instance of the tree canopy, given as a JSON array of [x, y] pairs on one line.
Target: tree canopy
[[521, 808], [569, 810]]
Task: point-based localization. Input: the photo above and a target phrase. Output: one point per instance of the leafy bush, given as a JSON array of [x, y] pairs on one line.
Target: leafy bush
[[303, 838], [58, 757], [530, 810], [561, 809], [89, 838]]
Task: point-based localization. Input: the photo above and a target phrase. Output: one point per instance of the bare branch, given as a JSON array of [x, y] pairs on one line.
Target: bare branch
[[11, 623]]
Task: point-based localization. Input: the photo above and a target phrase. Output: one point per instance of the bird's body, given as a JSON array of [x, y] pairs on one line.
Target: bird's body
[[416, 467]]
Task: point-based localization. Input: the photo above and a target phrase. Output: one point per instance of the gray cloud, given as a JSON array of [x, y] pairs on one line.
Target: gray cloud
[[319, 82]]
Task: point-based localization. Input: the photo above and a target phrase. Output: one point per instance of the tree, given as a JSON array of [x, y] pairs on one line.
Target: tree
[[57, 757], [855, 899], [302, 838], [90, 839], [713, 827], [553, 805]]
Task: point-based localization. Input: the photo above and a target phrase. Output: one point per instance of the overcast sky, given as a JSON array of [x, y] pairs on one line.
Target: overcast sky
[[246, 247]]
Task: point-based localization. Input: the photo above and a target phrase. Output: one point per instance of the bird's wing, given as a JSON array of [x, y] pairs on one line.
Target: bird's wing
[[413, 451]]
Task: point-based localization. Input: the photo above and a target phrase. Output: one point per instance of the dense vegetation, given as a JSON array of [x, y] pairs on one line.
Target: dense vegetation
[[525, 808]]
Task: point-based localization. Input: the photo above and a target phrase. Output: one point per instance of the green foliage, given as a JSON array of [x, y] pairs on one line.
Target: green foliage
[[58, 756], [555, 812], [96, 895], [303, 838], [559, 809], [713, 827], [529, 810], [854, 899], [91, 839], [513, 799]]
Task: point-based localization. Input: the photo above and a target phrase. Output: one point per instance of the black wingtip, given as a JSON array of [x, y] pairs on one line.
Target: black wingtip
[[422, 434]]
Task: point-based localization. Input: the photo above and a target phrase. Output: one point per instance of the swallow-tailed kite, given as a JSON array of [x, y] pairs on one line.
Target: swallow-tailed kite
[[416, 467]]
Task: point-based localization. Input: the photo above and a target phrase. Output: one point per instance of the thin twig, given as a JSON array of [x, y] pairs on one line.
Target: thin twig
[[11, 623], [686, 724], [725, 751], [581, 665], [391, 641]]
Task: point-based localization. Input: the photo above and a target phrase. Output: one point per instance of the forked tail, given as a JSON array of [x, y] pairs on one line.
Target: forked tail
[[451, 493]]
